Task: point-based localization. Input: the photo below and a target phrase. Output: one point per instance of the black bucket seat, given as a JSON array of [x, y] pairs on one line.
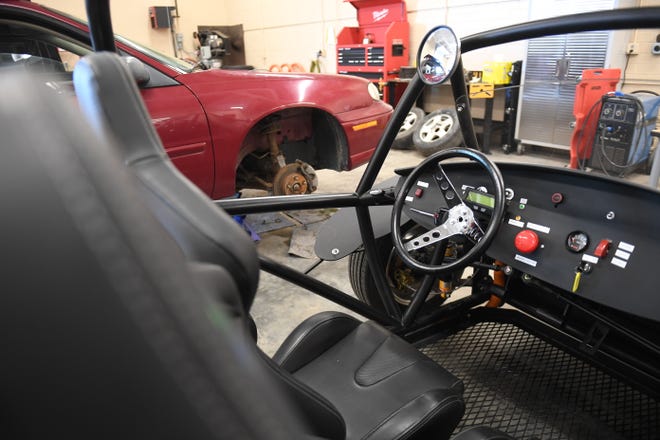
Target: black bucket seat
[[108, 331], [349, 379]]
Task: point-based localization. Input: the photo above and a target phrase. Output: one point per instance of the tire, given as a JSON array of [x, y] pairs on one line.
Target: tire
[[410, 125], [362, 282], [360, 275], [440, 130]]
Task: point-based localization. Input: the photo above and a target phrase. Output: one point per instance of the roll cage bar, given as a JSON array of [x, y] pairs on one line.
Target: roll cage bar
[[102, 37]]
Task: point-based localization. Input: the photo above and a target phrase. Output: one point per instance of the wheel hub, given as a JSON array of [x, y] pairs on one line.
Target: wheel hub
[[408, 122], [293, 183], [294, 179], [436, 128]]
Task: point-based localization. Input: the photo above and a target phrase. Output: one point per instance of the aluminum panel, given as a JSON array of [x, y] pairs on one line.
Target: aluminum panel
[[554, 67]]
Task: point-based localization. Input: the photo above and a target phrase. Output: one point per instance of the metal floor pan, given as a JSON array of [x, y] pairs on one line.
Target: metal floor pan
[[530, 389]]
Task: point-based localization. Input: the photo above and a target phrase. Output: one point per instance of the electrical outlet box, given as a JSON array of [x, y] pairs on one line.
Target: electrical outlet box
[[633, 49]]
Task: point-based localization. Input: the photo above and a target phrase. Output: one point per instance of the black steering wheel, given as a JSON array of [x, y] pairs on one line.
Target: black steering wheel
[[457, 217]]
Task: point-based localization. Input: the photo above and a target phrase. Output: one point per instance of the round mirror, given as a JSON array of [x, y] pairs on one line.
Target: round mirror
[[438, 55]]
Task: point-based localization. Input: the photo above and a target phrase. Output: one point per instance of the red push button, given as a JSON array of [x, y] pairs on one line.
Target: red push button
[[603, 248], [557, 198], [526, 241], [419, 192]]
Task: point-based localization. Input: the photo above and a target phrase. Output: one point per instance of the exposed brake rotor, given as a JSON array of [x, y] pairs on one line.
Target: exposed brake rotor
[[295, 178]]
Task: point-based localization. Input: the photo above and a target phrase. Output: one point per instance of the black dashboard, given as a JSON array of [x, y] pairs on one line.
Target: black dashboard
[[593, 236]]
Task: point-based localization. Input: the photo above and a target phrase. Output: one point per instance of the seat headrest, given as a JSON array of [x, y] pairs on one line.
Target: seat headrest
[[109, 97], [111, 101]]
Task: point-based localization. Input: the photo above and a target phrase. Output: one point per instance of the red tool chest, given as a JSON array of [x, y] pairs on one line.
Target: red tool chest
[[378, 47]]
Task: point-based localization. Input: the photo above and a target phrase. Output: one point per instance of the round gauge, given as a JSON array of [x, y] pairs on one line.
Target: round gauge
[[577, 241]]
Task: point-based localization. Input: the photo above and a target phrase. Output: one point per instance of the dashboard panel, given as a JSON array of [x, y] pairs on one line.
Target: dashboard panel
[[588, 234]]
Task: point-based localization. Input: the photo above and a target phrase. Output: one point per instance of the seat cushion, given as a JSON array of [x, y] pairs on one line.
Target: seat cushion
[[382, 386]]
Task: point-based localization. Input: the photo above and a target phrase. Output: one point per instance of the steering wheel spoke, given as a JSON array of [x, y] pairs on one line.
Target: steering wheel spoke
[[441, 210], [460, 220]]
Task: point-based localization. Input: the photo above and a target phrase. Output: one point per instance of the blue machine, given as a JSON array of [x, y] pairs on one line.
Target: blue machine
[[623, 139]]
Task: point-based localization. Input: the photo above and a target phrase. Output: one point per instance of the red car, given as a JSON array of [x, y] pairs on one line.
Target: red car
[[225, 129]]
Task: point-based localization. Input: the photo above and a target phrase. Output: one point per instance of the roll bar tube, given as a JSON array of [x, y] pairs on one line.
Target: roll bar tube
[[100, 25]]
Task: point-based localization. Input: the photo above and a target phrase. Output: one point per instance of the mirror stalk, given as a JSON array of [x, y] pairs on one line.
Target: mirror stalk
[[459, 89]]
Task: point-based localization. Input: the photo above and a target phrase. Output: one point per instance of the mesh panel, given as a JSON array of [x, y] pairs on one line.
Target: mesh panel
[[530, 389]]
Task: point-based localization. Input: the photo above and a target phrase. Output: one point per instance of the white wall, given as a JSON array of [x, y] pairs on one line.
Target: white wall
[[467, 18], [293, 31], [289, 31], [130, 18], [643, 70]]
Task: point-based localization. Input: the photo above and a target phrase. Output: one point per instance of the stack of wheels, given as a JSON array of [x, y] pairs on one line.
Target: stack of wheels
[[410, 125], [440, 130]]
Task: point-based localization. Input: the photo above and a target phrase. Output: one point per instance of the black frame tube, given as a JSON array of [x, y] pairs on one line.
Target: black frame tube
[[462, 105], [601, 20], [640, 340], [408, 99], [100, 25], [373, 259], [616, 19], [324, 290], [614, 364], [279, 203], [424, 289], [453, 311]]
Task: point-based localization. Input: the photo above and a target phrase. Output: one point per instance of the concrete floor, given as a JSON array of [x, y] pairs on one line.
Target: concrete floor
[[279, 306]]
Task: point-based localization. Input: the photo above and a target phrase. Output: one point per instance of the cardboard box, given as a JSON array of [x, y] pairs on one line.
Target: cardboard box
[[482, 90]]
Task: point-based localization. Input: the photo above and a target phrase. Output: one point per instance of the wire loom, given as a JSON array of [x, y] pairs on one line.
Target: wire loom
[[528, 388]]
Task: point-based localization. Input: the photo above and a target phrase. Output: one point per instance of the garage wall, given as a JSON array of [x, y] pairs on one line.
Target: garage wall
[[643, 70], [466, 18], [130, 18], [289, 31], [293, 31]]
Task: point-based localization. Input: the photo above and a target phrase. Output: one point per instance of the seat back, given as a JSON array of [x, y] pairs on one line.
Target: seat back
[[110, 99], [106, 332], [112, 102]]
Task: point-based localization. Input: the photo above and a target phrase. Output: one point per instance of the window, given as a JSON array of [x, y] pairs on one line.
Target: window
[[32, 48]]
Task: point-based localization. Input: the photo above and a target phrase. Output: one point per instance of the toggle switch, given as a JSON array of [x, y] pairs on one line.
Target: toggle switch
[[603, 248]]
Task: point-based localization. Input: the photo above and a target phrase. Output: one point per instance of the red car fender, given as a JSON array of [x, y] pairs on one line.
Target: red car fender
[[233, 107], [205, 126]]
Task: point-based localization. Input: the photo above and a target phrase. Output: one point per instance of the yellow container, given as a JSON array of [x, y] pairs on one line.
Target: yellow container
[[497, 72]]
